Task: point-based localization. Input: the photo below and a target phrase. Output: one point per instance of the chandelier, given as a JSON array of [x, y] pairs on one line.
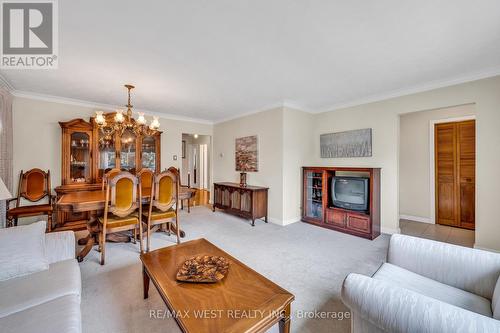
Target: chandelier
[[122, 122]]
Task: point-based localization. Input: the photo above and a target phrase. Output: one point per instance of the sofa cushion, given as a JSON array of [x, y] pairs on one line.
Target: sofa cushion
[[495, 301], [61, 279], [59, 315], [431, 288], [22, 250]]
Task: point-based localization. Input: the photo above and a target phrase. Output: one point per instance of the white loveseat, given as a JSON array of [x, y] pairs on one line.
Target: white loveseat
[[47, 301], [427, 286]]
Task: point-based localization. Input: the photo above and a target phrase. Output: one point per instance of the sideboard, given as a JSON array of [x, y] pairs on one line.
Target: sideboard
[[248, 202]]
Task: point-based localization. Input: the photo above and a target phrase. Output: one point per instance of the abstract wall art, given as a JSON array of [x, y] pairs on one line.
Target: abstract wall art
[[356, 143], [247, 154]]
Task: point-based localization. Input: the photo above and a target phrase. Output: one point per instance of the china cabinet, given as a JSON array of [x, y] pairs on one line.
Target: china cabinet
[[88, 153]]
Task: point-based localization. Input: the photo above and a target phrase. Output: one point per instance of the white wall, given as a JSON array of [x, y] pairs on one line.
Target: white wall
[[297, 152], [268, 126], [414, 159], [37, 135]]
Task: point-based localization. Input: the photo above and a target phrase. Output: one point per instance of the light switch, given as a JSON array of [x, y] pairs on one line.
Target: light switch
[[175, 157]]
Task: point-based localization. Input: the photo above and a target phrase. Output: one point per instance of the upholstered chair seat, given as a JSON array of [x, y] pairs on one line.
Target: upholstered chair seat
[[116, 221], [157, 214], [34, 209]]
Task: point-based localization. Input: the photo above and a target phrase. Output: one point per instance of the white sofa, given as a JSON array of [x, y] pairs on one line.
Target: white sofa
[[47, 301], [427, 286]]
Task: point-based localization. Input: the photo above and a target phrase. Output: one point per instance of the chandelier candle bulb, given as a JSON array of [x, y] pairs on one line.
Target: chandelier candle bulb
[[119, 116], [155, 124], [141, 120], [99, 118]]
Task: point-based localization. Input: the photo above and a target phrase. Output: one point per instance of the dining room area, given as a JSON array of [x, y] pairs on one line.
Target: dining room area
[[112, 181]]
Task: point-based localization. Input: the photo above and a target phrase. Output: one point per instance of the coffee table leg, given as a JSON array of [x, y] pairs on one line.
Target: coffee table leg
[[285, 320], [145, 282]]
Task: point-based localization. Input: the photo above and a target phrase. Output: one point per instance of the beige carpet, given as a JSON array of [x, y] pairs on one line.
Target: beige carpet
[[309, 261]]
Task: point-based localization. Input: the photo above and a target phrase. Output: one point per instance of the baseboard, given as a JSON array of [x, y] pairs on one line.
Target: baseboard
[[390, 231], [416, 218], [485, 248], [283, 222], [292, 220]]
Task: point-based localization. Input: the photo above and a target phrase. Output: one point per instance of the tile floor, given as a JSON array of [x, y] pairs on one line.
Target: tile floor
[[438, 232]]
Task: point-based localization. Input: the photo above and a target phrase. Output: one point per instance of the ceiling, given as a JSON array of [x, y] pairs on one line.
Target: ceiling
[[218, 59]]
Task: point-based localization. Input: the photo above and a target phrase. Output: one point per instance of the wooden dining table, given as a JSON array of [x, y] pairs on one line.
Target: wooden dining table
[[93, 202]]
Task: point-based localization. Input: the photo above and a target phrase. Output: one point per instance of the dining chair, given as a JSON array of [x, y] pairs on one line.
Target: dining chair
[[164, 203], [146, 177], [34, 185], [120, 209], [108, 176], [187, 187]]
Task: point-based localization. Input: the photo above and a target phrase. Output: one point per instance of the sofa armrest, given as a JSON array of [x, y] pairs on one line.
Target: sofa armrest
[[395, 309], [60, 246], [473, 270]]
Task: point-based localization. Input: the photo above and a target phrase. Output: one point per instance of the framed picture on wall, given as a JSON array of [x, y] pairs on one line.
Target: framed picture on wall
[[183, 149]]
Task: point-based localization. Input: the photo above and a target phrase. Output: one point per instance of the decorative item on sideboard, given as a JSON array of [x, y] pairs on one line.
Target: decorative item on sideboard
[[243, 179]]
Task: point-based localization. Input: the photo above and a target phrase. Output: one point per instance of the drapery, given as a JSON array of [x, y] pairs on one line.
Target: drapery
[[6, 143]]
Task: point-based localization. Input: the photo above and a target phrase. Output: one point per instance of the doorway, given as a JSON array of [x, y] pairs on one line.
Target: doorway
[[454, 173], [195, 166]]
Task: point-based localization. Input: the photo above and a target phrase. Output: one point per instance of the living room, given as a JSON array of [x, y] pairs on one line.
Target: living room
[[250, 167]]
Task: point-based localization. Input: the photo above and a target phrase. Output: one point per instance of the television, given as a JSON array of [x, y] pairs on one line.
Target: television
[[350, 193]]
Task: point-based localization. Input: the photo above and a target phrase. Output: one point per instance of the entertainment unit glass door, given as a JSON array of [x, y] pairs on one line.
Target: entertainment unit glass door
[[313, 205]]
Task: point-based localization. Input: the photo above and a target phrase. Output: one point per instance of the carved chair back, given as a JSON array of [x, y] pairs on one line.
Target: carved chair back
[[121, 194], [110, 174], [34, 185], [147, 177], [166, 190]]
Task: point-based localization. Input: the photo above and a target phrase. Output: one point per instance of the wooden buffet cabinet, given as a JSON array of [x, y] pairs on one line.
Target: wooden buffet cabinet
[[249, 202], [86, 156], [318, 209]]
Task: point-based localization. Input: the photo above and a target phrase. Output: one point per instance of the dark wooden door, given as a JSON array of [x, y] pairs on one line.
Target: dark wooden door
[[455, 159]]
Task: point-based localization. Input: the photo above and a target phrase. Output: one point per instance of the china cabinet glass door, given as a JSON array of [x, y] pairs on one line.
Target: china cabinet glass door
[[148, 153], [107, 155], [128, 151], [314, 194], [80, 167]]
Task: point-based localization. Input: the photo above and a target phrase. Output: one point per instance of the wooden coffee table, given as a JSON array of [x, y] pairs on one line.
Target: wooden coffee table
[[244, 301]]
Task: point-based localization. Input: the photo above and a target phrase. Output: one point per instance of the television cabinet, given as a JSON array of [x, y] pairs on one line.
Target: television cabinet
[[318, 208]]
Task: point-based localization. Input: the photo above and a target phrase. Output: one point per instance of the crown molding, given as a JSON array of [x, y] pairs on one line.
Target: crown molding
[[101, 106], [251, 112], [6, 83], [495, 71]]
